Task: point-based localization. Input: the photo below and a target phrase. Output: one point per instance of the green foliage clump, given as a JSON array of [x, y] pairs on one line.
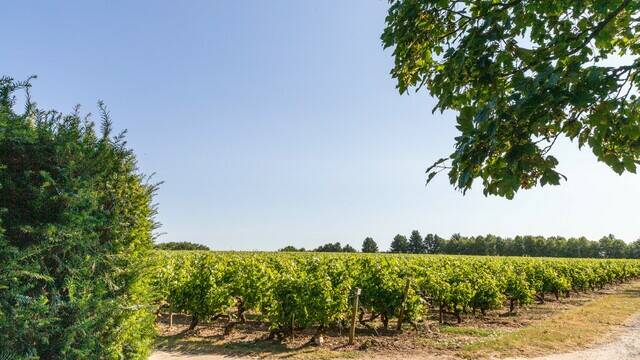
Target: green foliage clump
[[204, 291], [383, 281], [554, 246], [400, 244], [369, 245], [309, 293], [76, 223], [521, 74], [181, 245], [527, 245], [291, 248], [416, 243], [334, 247], [293, 291]]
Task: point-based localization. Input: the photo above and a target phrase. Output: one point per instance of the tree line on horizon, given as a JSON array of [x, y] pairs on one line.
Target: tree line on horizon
[[180, 245], [491, 245]]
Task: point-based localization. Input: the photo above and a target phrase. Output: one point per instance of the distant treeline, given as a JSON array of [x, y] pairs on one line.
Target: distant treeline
[[329, 247], [527, 245], [181, 245]]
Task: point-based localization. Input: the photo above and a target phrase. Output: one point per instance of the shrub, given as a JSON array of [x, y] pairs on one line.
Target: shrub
[[76, 223]]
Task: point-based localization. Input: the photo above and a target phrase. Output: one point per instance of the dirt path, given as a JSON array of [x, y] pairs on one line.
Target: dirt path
[[625, 346], [162, 355]]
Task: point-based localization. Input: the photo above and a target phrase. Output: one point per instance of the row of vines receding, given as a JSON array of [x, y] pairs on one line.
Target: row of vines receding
[[298, 291]]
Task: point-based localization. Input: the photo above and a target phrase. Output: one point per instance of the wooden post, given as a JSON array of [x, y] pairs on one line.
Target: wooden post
[[354, 315], [170, 316], [293, 324], [404, 300]]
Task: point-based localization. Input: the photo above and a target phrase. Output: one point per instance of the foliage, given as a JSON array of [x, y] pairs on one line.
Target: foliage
[[382, 280], [302, 290], [180, 245], [554, 246], [369, 245], [610, 247], [416, 244], [633, 250], [399, 244], [520, 74], [76, 225], [291, 248], [309, 293], [527, 245], [432, 243], [335, 247], [204, 291], [348, 248]]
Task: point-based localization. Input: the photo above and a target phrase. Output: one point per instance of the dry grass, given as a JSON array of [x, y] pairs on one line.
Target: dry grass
[[578, 327]]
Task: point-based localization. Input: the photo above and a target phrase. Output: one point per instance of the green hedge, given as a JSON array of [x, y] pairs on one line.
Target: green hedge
[[76, 223]]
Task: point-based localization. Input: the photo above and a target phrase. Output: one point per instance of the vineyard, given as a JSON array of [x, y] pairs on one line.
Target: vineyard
[[291, 291]]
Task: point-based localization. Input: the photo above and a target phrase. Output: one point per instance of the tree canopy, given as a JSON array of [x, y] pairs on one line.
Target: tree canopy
[[369, 245], [181, 245], [491, 245], [527, 245], [520, 74], [399, 244], [291, 248], [416, 244], [335, 247]]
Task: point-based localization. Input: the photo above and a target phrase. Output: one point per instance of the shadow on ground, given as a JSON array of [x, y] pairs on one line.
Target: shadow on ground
[[195, 345], [250, 339]]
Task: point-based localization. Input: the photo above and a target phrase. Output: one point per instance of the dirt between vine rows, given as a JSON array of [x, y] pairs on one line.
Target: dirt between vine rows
[[251, 338], [625, 346], [430, 340]]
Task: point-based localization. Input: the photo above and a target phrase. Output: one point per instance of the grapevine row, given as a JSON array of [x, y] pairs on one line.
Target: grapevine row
[[291, 291]]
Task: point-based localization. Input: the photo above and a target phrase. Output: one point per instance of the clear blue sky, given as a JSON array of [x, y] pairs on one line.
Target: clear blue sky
[[276, 123]]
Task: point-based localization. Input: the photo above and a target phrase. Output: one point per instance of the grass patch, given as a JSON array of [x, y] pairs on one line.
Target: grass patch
[[568, 330]]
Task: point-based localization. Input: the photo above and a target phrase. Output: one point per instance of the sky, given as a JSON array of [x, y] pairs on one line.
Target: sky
[[275, 123]]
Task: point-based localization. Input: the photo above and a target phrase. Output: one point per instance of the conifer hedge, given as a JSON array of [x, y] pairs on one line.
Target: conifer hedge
[[76, 224]]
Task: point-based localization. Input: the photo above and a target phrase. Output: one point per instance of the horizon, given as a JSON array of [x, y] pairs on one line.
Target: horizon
[[357, 247], [278, 124]]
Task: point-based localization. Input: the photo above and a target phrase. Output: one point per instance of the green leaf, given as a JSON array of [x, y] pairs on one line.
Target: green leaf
[[629, 164]]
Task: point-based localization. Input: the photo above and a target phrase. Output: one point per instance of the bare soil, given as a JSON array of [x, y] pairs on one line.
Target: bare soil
[[429, 340]]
